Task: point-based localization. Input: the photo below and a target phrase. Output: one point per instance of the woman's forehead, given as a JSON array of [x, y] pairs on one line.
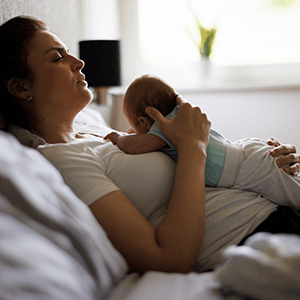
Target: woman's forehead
[[43, 41]]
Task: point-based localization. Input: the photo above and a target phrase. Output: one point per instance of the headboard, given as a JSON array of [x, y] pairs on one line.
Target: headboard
[[62, 16]]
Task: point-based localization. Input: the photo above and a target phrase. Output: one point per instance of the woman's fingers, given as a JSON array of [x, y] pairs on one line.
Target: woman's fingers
[[273, 142], [180, 100], [289, 160], [156, 115], [293, 169], [283, 149], [290, 163], [189, 124]]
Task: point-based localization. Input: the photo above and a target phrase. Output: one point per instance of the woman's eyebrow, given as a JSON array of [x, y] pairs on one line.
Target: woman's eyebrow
[[59, 49]]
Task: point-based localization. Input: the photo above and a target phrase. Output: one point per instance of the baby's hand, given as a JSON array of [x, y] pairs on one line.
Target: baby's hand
[[130, 130], [113, 136]]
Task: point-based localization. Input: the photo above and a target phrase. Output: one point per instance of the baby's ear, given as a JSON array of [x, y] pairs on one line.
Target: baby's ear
[[145, 122], [18, 88]]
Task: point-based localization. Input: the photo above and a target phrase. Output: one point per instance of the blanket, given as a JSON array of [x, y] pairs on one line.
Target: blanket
[[267, 267], [51, 246]]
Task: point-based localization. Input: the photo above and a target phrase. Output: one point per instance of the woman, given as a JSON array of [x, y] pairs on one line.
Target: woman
[[45, 89]]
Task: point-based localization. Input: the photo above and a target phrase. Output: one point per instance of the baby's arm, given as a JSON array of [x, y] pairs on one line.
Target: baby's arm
[[136, 144]]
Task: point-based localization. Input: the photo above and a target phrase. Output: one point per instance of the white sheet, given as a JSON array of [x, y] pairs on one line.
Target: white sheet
[[51, 246], [163, 286], [267, 267]]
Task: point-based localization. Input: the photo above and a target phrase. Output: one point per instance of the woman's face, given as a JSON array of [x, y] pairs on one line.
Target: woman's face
[[59, 86]]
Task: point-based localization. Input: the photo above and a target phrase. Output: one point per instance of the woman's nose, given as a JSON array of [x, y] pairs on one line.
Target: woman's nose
[[78, 64]]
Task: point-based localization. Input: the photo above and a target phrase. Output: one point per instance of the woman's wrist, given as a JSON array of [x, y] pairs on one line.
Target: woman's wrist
[[193, 148]]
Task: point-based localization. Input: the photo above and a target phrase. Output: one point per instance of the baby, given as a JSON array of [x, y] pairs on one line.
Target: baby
[[244, 164]]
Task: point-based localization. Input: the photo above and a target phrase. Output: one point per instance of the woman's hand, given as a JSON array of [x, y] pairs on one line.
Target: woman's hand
[[185, 216], [289, 160], [190, 125]]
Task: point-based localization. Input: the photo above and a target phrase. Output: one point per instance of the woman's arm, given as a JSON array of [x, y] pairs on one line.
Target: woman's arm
[[174, 245], [289, 160], [136, 144]]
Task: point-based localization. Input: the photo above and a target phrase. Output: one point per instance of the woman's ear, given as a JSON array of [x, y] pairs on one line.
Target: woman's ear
[[18, 88], [145, 122]]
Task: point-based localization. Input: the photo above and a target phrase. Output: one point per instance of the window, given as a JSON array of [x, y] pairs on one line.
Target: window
[[249, 31], [257, 42]]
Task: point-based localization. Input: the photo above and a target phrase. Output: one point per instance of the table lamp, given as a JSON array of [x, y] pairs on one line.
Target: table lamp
[[102, 65]]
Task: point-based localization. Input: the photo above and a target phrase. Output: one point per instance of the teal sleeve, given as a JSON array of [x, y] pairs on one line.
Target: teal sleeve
[[216, 152]]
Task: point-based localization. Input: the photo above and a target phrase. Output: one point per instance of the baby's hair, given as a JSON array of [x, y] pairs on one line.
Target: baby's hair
[[149, 90]]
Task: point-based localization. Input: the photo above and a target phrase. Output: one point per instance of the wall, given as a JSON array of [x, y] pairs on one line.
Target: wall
[[99, 19], [253, 113], [62, 16], [240, 113]]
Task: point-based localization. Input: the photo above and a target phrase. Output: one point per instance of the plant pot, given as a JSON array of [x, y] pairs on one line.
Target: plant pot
[[205, 67]]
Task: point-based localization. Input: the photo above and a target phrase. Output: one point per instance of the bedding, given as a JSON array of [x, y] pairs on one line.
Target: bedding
[[229, 213], [266, 267], [51, 247]]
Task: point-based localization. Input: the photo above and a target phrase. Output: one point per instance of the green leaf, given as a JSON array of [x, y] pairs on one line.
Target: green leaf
[[207, 37]]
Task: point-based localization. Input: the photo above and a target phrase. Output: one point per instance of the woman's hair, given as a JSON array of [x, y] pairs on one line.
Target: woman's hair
[[149, 90], [15, 35]]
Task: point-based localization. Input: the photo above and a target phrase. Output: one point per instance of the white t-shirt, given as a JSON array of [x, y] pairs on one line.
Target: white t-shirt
[[93, 168]]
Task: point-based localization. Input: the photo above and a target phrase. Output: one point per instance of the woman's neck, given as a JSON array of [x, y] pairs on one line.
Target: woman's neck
[[55, 132]]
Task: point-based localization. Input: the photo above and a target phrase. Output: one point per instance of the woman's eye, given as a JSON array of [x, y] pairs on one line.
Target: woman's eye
[[59, 58]]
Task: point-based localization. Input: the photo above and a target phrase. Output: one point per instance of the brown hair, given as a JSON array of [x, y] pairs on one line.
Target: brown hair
[[149, 90], [15, 35]]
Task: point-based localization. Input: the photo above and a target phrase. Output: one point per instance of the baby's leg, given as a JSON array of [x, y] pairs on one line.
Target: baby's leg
[[259, 173]]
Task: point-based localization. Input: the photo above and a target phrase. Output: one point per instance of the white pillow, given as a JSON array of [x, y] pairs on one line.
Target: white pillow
[[90, 116], [88, 120]]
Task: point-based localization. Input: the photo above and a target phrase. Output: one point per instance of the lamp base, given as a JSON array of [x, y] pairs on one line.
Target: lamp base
[[100, 95]]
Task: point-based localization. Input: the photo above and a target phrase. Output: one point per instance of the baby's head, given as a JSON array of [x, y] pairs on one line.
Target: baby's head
[[145, 91]]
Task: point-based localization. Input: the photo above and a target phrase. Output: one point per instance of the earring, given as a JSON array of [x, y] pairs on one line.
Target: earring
[[29, 98]]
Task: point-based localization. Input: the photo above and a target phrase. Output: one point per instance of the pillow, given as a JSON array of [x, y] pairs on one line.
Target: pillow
[[91, 120], [88, 120], [51, 246], [90, 116]]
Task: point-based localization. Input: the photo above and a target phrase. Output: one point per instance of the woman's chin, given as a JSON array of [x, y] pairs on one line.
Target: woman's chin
[[85, 98], [88, 95]]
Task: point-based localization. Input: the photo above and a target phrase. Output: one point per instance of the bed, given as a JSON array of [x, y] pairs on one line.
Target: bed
[[51, 247]]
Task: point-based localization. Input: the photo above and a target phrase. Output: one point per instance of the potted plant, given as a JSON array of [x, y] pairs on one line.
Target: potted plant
[[205, 39]]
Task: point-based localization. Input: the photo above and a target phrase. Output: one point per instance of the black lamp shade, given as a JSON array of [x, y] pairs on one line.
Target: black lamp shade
[[102, 62]]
